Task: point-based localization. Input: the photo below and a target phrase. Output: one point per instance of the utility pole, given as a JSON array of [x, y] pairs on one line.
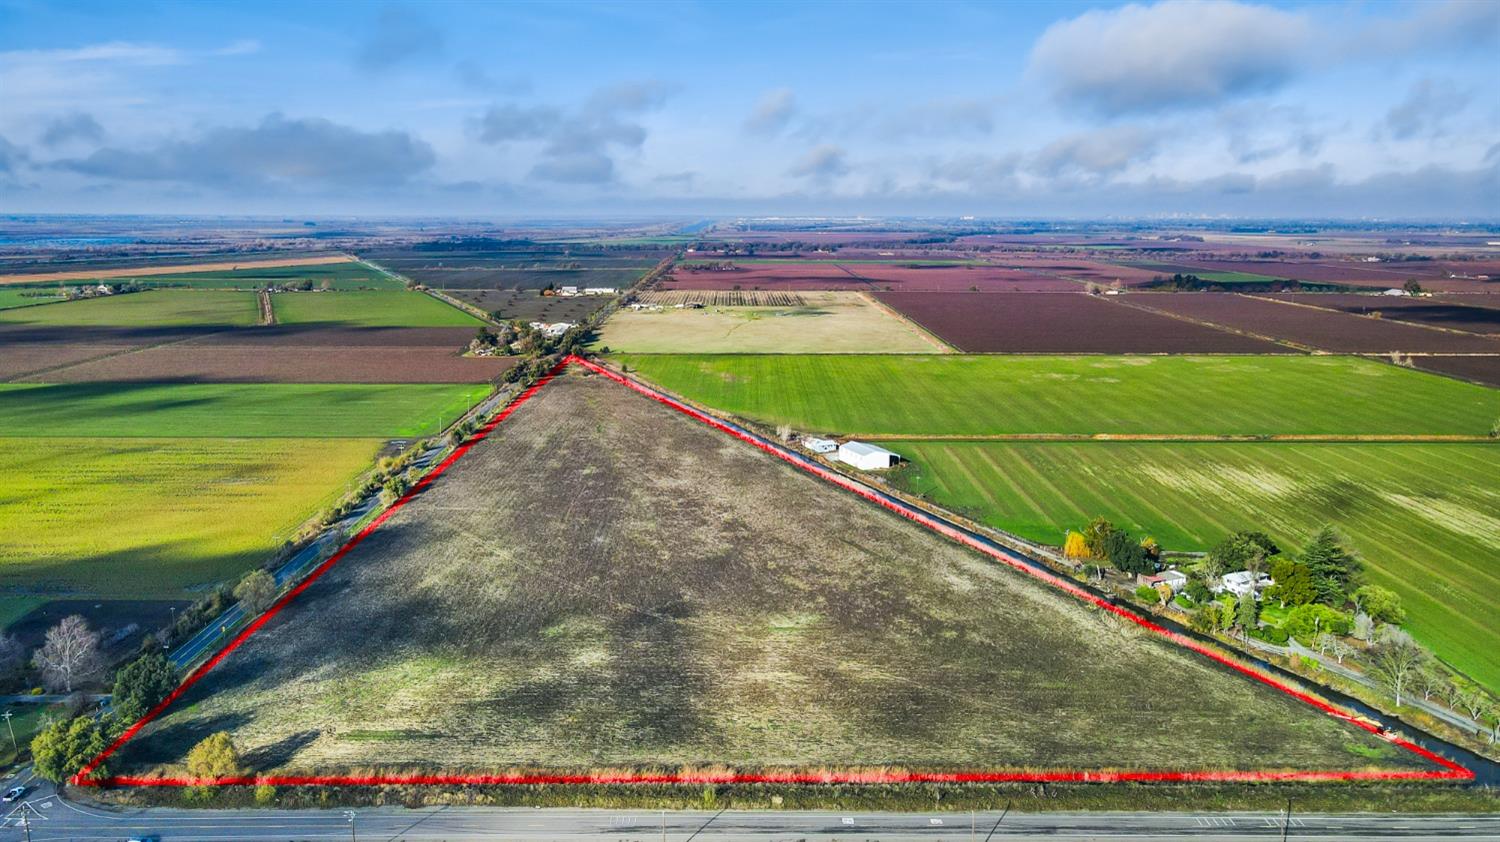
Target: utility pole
[[1288, 823], [12, 727], [349, 814]]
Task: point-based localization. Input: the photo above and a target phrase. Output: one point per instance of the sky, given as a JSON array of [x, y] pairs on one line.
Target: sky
[[1362, 110]]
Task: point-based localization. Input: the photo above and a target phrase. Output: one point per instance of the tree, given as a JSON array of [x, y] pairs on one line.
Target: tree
[[1294, 583], [1247, 613], [1306, 622], [1236, 551], [1148, 594], [215, 757], [257, 591], [1431, 681], [1382, 604], [1126, 554], [1412, 287], [1075, 546], [1198, 592], [1364, 626], [63, 748], [12, 653], [1096, 534], [1335, 570], [1208, 617], [140, 684], [69, 655], [1396, 660]]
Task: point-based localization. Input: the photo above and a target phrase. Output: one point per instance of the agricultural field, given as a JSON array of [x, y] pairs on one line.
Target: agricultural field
[[1063, 323], [249, 410], [26, 297], [1312, 327], [1451, 312], [1478, 369], [346, 275], [529, 305], [153, 309], [1421, 515], [1436, 275], [1077, 395], [396, 308], [128, 518], [604, 583], [154, 266], [823, 322]]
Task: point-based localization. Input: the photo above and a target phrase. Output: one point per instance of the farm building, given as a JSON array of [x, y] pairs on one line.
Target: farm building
[[554, 330], [1175, 580], [867, 457], [1242, 582], [817, 445], [598, 290]]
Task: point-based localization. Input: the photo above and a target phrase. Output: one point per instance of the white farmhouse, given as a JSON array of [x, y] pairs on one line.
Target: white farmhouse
[[867, 457], [1395, 293], [1242, 582]]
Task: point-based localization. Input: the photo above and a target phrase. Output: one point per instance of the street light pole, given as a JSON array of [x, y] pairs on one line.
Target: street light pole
[[12, 727], [349, 814]]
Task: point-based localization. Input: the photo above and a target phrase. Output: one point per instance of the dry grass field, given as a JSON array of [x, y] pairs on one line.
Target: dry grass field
[[816, 323], [605, 583]]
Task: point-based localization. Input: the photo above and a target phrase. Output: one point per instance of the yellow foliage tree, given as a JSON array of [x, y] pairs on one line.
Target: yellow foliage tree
[[215, 757], [1076, 546]]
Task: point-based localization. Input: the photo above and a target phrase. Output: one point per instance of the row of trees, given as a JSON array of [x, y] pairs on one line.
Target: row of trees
[[1103, 541], [62, 748]]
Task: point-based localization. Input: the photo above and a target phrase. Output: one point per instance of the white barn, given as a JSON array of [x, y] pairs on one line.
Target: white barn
[[817, 445], [867, 457]]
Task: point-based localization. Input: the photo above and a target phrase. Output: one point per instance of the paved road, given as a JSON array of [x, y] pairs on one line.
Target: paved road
[[60, 820]]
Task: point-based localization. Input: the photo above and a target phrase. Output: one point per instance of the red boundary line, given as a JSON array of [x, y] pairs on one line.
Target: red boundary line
[[1449, 770]]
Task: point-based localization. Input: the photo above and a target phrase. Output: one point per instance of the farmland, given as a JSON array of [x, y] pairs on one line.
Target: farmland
[[821, 322], [1312, 327], [394, 308], [345, 275], [1452, 312], [999, 395], [155, 309], [10, 298], [1423, 516], [128, 517], [1479, 369], [528, 305], [260, 410], [605, 583], [1062, 323]]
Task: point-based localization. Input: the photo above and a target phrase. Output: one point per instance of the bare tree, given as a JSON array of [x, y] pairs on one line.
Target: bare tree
[[1431, 681], [1397, 660], [69, 655], [1473, 701], [12, 653]]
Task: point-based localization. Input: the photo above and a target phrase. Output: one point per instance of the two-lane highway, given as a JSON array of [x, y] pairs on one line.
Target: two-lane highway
[[56, 820]]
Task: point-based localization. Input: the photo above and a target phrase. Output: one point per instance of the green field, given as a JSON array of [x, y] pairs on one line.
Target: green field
[[26, 297], [997, 395], [397, 308], [338, 275], [256, 410], [1236, 277], [1424, 516], [155, 308], [154, 517]]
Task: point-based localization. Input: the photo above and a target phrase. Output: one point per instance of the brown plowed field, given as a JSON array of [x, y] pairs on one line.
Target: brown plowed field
[[1313, 327], [1062, 323], [790, 276], [1433, 312], [305, 364], [1484, 370], [870, 276]]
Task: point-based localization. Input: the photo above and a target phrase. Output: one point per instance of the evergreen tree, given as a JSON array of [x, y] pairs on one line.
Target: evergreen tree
[[1335, 570]]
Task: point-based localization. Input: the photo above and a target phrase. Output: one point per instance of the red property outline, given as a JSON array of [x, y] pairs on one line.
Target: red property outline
[[1448, 770]]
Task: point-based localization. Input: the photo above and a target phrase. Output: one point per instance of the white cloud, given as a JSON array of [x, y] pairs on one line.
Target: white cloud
[[772, 113], [1169, 55]]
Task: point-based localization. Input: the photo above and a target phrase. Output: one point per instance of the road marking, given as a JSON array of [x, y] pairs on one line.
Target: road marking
[[934, 821], [848, 820]]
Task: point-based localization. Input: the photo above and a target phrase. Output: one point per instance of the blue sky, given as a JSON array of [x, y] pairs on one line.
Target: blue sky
[[1353, 109]]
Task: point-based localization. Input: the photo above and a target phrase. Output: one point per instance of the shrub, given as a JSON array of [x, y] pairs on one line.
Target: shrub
[[1148, 594], [256, 591], [215, 757], [1076, 546]]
